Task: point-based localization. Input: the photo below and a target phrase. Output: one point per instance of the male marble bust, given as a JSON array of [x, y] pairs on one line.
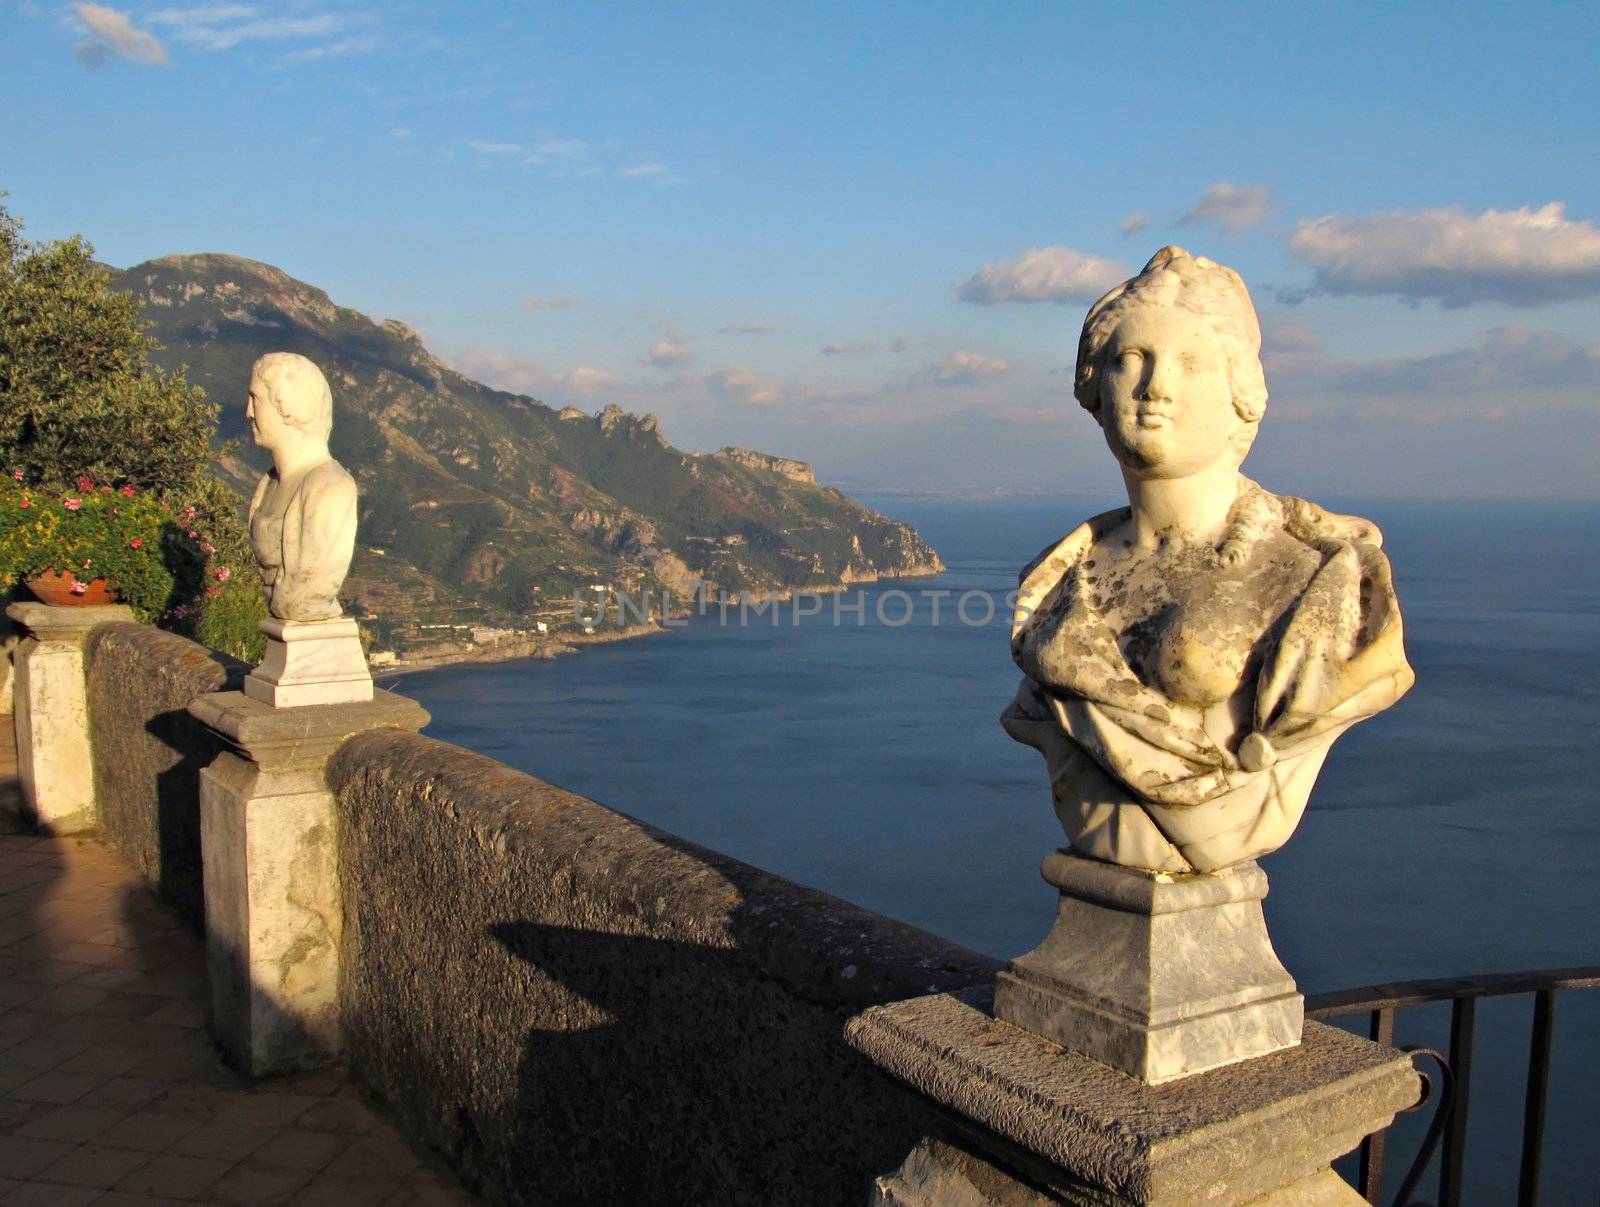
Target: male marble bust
[[303, 513], [1189, 659]]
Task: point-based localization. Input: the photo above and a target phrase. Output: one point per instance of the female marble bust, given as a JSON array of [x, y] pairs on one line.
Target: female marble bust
[[303, 513], [1189, 659]]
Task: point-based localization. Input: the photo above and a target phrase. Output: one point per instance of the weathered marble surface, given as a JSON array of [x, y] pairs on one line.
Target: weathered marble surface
[[1189, 659], [55, 761], [1159, 976], [303, 512], [310, 662], [1057, 1120], [268, 837]]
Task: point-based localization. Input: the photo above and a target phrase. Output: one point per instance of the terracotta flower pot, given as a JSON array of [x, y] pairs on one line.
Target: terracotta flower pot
[[54, 587]]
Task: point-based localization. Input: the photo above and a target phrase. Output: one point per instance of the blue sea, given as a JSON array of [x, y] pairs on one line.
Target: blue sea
[[1458, 833]]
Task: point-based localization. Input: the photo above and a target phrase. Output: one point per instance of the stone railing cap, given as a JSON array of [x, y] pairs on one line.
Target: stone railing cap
[[1238, 1131], [255, 726], [51, 620]]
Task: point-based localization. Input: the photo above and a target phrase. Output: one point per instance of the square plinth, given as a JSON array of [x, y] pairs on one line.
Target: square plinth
[[310, 662], [1160, 976]]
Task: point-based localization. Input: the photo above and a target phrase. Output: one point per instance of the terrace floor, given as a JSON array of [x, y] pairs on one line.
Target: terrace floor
[[110, 1090]]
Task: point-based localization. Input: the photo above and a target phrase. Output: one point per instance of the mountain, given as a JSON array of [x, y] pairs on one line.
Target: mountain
[[480, 502]]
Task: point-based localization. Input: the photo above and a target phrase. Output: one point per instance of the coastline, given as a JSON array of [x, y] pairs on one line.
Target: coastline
[[545, 649]]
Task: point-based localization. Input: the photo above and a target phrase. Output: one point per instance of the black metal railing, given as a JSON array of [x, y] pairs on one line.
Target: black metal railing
[[1449, 1086]]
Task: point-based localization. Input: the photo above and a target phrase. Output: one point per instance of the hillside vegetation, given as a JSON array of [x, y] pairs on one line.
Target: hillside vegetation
[[490, 502]]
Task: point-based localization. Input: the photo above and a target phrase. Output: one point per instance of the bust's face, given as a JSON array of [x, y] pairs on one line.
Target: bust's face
[[267, 425], [1166, 401]]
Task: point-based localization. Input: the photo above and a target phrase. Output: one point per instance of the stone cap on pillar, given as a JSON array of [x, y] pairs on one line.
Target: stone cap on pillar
[[1223, 1137], [303, 735], [52, 622]]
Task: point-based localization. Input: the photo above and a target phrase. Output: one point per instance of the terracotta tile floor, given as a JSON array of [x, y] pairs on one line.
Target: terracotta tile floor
[[110, 1090]]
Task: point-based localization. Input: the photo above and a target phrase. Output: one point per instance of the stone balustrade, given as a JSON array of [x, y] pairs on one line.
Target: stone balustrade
[[574, 1006]]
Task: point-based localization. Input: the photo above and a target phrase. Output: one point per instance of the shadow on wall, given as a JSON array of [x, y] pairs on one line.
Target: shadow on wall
[[149, 752], [9, 639], [650, 1101], [580, 1008]]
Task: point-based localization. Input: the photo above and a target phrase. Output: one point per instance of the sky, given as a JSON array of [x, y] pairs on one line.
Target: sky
[[865, 235]]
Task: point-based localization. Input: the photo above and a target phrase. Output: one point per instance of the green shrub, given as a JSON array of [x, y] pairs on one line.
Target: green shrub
[[80, 401]]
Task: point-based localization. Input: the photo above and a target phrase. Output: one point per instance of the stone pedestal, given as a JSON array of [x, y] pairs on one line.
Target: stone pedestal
[[268, 841], [1026, 1122], [55, 761], [310, 662], [1157, 975]]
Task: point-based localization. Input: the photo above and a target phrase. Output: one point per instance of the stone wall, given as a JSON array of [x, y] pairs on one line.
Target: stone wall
[[579, 1008], [148, 751]]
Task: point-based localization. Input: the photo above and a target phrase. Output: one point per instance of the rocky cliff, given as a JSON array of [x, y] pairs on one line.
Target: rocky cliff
[[477, 497]]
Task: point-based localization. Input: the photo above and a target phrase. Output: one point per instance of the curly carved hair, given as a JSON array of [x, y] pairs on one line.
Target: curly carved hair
[[1173, 277], [297, 388]]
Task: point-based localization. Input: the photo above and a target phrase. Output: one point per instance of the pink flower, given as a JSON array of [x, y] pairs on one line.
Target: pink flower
[[17, 474], [207, 548], [85, 482], [193, 534], [136, 543], [129, 491], [86, 563], [79, 588], [188, 513], [213, 592], [105, 490], [26, 502], [222, 574], [73, 504]]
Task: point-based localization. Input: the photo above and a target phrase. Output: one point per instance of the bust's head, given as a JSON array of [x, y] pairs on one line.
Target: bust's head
[[290, 402], [1169, 364]]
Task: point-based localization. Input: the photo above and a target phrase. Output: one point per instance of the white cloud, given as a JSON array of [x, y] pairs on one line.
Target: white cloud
[[519, 374], [586, 379], [524, 375], [1511, 364], [1510, 370], [643, 170], [562, 158], [747, 329], [837, 348], [1232, 207], [1043, 274], [1290, 339], [1522, 257], [666, 353], [115, 34], [401, 132], [1134, 223], [218, 27], [506, 150], [965, 369], [342, 49], [741, 386], [560, 301]]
